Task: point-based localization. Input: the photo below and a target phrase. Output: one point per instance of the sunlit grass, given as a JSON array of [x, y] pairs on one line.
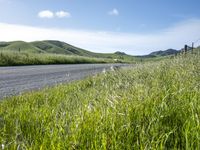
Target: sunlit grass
[[149, 106], [23, 58]]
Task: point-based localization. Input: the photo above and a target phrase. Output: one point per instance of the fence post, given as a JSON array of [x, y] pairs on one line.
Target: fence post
[[185, 49], [192, 47]]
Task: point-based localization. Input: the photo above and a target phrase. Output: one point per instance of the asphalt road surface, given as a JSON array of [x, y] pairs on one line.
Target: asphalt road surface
[[15, 80]]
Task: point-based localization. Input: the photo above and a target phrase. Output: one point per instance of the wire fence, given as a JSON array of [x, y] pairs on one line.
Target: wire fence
[[191, 47]]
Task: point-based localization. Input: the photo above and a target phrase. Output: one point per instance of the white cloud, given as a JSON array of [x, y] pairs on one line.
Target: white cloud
[[62, 14], [49, 14], [46, 14], [100, 41], [114, 12]]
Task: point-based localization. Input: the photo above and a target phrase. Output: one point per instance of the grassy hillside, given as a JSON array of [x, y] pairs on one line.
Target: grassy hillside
[[19, 46], [50, 48], [56, 47], [54, 52], [150, 106]]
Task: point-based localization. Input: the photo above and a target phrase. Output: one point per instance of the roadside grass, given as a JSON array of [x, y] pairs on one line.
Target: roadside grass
[[24, 58], [150, 106]]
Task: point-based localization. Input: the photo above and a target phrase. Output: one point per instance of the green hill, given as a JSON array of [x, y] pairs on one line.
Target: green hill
[[58, 47], [20, 46], [54, 52], [62, 48], [50, 48]]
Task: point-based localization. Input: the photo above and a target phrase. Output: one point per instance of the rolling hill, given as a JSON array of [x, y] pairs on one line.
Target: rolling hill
[[48, 46], [58, 47]]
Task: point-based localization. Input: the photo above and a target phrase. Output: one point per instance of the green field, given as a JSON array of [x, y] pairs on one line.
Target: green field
[[149, 106], [14, 58], [23, 58]]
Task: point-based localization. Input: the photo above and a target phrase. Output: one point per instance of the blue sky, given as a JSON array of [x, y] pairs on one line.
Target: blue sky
[[134, 26]]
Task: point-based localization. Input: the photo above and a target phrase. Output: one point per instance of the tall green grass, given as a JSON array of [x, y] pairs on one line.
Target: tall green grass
[[149, 106], [23, 58]]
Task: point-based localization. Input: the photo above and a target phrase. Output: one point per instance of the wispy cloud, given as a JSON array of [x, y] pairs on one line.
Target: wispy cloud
[[114, 12], [101, 41], [63, 14], [46, 14], [50, 14]]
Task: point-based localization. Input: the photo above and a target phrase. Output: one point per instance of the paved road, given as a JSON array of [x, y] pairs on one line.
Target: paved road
[[14, 80]]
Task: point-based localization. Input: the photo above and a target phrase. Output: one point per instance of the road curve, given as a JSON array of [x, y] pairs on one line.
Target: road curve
[[15, 80]]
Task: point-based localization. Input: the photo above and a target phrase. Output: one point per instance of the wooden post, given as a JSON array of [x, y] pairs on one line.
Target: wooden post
[[185, 49], [192, 47]]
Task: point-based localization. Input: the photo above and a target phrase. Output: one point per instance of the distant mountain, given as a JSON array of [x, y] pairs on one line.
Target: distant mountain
[[165, 53]]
